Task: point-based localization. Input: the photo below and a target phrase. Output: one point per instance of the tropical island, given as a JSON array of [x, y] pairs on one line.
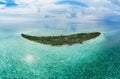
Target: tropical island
[[62, 39]]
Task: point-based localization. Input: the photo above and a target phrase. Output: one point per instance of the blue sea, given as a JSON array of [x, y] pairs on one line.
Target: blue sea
[[98, 58]]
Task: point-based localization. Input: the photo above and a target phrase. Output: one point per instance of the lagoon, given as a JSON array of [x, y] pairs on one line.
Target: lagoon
[[95, 59]]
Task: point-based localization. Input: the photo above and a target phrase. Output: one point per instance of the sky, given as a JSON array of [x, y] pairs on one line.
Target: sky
[[81, 11]]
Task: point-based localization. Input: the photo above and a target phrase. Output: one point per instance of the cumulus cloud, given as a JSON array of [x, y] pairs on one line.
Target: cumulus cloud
[[45, 10]]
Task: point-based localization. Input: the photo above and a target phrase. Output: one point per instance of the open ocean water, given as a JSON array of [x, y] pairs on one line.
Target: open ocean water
[[98, 58]]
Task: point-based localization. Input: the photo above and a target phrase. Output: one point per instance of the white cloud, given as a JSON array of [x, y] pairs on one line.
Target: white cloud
[[47, 9], [2, 0], [2, 6], [35, 3]]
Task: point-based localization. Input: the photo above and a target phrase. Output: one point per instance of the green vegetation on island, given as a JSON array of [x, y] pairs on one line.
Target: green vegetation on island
[[62, 39]]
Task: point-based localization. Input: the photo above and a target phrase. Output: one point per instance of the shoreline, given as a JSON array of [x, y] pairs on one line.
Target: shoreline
[[62, 39]]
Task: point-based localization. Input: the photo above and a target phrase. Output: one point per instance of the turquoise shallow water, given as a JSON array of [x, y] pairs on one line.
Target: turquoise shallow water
[[98, 58]]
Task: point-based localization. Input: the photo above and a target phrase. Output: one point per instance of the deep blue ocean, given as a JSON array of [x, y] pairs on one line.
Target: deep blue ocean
[[98, 58]]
